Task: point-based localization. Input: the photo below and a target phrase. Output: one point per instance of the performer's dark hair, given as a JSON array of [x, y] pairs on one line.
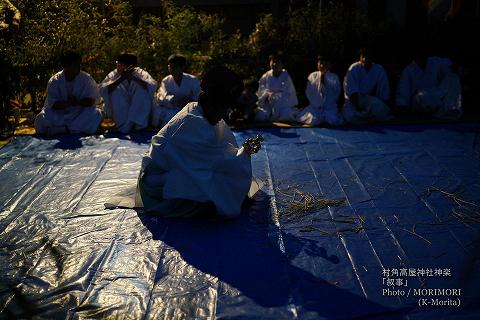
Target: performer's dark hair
[[278, 56], [69, 57], [128, 59], [221, 85], [178, 59]]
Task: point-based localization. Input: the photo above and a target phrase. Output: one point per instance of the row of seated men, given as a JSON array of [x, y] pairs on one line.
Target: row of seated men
[[129, 94], [427, 85]]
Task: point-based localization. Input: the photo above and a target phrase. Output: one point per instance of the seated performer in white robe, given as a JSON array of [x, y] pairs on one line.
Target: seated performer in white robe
[[430, 86], [323, 89], [128, 93], [70, 102], [176, 90], [193, 165], [366, 90], [276, 93]]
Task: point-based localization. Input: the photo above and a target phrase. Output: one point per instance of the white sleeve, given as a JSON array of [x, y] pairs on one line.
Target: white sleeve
[[311, 91], [195, 92], [291, 92], [54, 93], [351, 82]]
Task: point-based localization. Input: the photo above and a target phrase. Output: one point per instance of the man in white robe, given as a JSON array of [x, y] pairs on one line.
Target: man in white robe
[[323, 89], [176, 90], [193, 165], [128, 93], [430, 86], [366, 90], [70, 102], [276, 93]]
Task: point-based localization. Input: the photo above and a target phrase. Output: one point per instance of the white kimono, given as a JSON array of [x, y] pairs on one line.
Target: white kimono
[[74, 119], [171, 97], [323, 100], [190, 163], [129, 104], [276, 98], [435, 90], [373, 89]]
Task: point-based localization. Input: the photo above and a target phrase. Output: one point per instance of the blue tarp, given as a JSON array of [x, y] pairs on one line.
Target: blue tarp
[[404, 243]]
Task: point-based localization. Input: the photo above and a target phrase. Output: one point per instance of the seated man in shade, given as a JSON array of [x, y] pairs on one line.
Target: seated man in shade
[[70, 102], [430, 86], [194, 166], [323, 90], [176, 90], [366, 91], [276, 93], [128, 94]]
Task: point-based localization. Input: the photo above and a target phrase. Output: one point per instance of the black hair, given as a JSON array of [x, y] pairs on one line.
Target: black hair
[[177, 59], [69, 57], [277, 56], [324, 58], [128, 59], [221, 85]]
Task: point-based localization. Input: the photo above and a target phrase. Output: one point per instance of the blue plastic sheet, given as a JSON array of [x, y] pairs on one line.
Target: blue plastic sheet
[[409, 223]]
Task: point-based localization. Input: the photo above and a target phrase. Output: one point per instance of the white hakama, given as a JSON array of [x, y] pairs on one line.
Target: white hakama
[[74, 119], [171, 97], [373, 89], [191, 164], [129, 104], [323, 100], [277, 98]]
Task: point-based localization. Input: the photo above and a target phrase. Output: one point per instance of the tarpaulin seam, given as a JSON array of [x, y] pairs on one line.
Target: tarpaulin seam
[[342, 240], [452, 173], [413, 189], [402, 176], [425, 201], [331, 212], [276, 220], [273, 202], [336, 141], [432, 211], [374, 206]]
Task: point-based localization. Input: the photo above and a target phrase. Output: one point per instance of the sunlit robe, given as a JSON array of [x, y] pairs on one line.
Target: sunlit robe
[[191, 163], [171, 97], [373, 89], [129, 104], [276, 98], [323, 100], [74, 119]]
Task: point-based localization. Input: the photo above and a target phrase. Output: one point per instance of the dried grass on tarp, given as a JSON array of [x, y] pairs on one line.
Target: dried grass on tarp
[[294, 203], [466, 212]]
